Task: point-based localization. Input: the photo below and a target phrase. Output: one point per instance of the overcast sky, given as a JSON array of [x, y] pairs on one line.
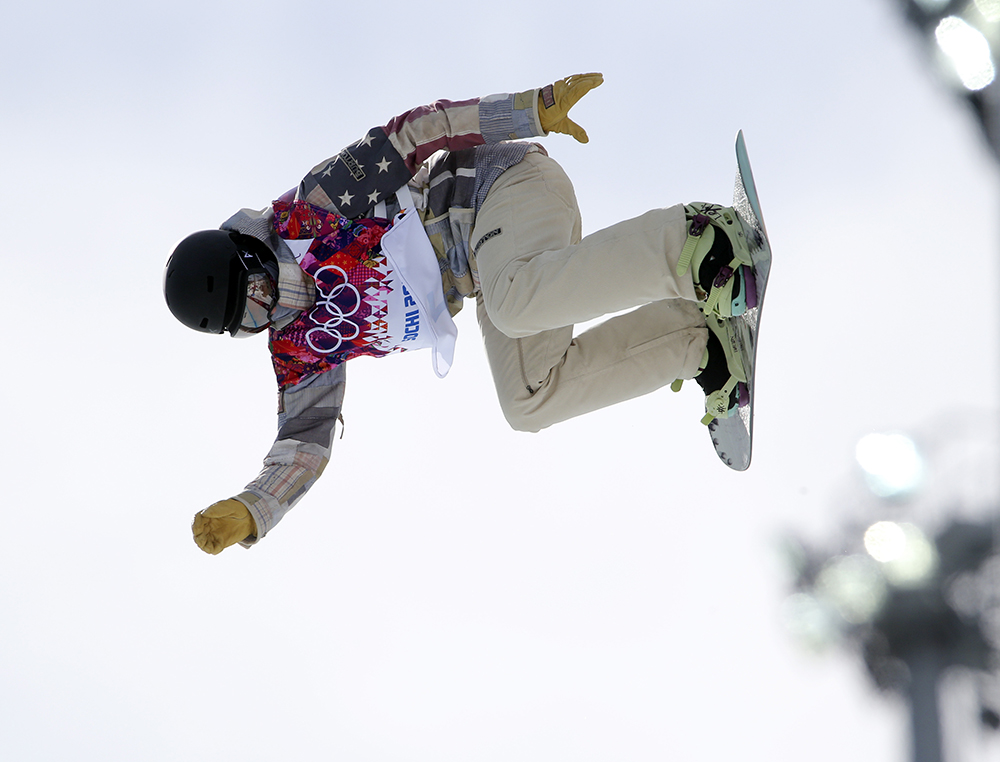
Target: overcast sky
[[451, 589]]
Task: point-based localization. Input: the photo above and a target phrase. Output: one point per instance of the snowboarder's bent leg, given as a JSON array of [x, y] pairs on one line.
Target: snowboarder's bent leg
[[550, 376], [537, 274]]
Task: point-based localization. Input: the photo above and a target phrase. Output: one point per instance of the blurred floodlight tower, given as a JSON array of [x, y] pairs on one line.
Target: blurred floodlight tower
[[963, 37], [917, 602]]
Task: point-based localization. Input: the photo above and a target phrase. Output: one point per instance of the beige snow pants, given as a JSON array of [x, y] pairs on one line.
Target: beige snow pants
[[538, 278]]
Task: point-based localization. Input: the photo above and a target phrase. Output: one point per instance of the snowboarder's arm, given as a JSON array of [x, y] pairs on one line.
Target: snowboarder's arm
[[298, 457], [307, 421], [386, 158]]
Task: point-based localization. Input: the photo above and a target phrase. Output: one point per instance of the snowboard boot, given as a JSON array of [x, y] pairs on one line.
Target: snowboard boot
[[717, 254], [721, 374]]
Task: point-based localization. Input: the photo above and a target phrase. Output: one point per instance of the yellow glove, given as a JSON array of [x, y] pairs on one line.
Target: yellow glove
[[555, 101], [221, 525]]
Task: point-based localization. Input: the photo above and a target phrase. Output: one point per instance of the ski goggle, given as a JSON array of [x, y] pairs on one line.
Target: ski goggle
[[257, 311], [252, 282]]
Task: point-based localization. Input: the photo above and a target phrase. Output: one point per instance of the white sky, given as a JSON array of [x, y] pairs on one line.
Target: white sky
[[602, 590]]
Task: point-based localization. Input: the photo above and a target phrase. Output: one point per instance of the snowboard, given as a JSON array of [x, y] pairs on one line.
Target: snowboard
[[732, 437]]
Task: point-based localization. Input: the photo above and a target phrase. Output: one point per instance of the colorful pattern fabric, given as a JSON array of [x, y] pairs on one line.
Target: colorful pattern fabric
[[352, 279]]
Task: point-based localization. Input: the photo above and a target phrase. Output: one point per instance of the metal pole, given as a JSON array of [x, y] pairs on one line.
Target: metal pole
[[925, 715]]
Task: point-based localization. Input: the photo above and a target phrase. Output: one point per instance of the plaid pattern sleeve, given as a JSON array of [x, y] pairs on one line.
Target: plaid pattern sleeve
[[296, 289], [307, 421]]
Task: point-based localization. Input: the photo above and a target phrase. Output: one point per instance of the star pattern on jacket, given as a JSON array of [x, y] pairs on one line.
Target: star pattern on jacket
[[358, 177]]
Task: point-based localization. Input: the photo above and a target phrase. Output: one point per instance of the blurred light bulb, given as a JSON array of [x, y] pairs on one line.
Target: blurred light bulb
[[892, 465], [916, 564], [885, 541], [855, 586], [908, 558], [989, 8], [809, 621], [968, 50]]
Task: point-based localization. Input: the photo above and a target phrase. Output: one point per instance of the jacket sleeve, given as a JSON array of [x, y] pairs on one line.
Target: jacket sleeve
[[386, 158], [307, 419]]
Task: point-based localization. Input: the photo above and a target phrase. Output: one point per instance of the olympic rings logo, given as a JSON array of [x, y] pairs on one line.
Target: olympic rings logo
[[330, 329]]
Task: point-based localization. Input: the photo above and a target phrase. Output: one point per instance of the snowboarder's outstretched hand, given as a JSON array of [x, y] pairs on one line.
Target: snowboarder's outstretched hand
[[555, 101], [221, 525]]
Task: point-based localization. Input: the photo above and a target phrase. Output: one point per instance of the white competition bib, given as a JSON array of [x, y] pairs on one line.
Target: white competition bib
[[417, 313]]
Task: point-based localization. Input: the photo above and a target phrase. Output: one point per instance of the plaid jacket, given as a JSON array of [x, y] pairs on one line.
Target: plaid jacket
[[449, 153]]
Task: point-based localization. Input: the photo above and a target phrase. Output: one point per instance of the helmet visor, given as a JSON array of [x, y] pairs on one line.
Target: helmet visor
[[257, 309]]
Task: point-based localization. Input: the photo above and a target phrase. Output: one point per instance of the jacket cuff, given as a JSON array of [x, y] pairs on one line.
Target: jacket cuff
[[261, 514], [510, 117]]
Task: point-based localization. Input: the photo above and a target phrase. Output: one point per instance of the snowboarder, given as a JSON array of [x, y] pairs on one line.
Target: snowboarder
[[377, 248]]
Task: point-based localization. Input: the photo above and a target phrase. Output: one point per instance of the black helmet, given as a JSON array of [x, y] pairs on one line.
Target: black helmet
[[205, 281]]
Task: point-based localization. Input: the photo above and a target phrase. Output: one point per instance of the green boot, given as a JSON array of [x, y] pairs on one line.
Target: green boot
[[717, 254], [721, 374]]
